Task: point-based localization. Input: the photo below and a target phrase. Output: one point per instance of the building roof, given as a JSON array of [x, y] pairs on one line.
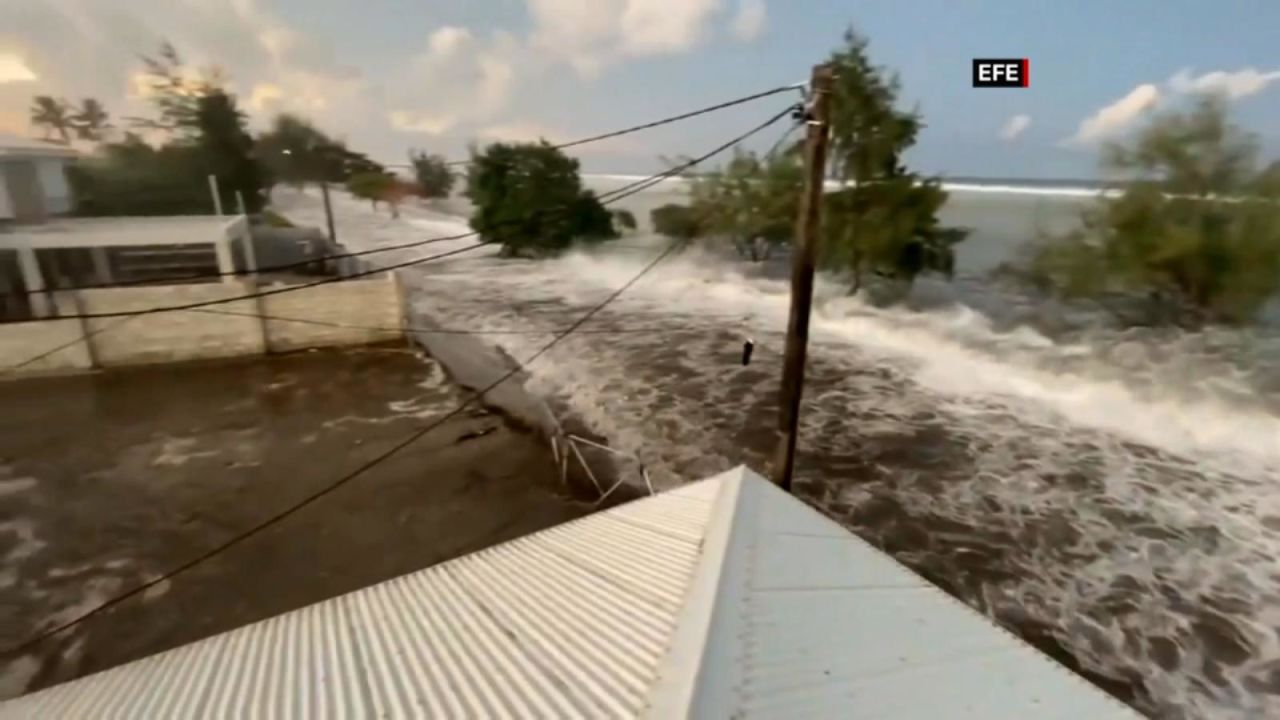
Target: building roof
[[724, 598], [121, 231], [11, 145]]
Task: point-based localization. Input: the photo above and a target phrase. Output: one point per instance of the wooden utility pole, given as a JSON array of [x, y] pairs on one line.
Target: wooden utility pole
[[328, 210], [803, 258]]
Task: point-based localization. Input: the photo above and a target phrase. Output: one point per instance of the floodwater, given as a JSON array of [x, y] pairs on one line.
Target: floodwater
[[1113, 496], [109, 480]]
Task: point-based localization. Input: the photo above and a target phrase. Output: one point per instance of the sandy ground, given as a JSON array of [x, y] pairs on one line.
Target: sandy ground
[[108, 480]]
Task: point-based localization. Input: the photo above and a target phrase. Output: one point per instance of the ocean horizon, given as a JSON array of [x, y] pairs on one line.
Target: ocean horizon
[[1063, 187]]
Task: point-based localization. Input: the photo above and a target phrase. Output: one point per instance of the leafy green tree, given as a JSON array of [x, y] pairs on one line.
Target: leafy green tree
[[133, 178], [91, 121], [175, 92], [888, 228], [529, 198], [884, 221], [371, 186], [868, 133], [54, 115], [206, 136], [676, 221], [751, 202], [1195, 233], [435, 179], [355, 162], [228, 150], [296, 152], [625, 219]]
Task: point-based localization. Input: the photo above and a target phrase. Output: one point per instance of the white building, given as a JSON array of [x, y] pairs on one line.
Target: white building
[[33, 181], [77, 252], [40, 250]]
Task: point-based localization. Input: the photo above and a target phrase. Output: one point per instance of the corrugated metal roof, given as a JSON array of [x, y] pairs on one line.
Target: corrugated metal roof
[[804, 619], [724, 598], [568, 622]]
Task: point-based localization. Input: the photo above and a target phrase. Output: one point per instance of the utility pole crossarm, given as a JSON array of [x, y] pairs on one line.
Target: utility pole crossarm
[[803, 259]]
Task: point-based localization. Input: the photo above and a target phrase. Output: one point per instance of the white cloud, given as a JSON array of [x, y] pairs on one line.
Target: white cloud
[[1015, 126], [448, 40], [87, 48], [496, 76], [1119, 116], [656, 27], [520, 132], [420, 122], [13, 69], [749, 21], [1234, 85], [262, 98], [1116, 117], [591, 35], [461, 78]]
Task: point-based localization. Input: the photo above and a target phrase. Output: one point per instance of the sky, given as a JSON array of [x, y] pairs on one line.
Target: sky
[[390, 75]]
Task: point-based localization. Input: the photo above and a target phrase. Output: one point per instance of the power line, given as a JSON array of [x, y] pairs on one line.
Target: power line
[[619, 194], [783, 138], [418, 243], [664, 121], [382, 457], [607, 198], [365, 467], [270, 268], [130, 315], [449, 331]]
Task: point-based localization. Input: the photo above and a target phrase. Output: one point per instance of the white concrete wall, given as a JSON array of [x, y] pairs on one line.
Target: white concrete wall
[[53, 180], [355, 312], [354, 306], [210, 332], [19, 342], [6, 205]]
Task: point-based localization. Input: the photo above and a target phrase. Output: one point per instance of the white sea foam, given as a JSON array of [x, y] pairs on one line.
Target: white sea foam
[[1058, 191], [1124, 495]]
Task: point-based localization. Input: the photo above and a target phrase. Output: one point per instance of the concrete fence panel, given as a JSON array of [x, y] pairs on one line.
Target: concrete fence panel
[[355, 312], [224, 330], [20, 342]]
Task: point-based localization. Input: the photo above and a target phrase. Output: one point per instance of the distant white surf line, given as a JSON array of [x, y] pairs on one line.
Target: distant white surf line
[[952, 187], [1030, 190]]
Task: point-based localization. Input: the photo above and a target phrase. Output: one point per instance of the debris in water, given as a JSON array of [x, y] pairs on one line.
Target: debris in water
[[474, 434]]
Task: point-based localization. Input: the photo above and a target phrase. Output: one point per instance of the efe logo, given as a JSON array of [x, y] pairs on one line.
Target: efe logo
[[1001, 72]]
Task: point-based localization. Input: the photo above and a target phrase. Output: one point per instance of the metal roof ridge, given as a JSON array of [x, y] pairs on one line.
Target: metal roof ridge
[[780, 585], [673, 692]]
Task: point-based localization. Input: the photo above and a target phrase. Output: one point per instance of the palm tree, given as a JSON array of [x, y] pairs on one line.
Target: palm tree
[[91, 120], [53, 114]]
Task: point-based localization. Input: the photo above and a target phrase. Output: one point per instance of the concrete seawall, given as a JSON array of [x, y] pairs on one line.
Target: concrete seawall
[[475, 365]]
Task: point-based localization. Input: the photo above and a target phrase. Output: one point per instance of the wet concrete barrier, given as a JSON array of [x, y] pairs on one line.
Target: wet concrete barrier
[[476, 366], [354, 312]]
